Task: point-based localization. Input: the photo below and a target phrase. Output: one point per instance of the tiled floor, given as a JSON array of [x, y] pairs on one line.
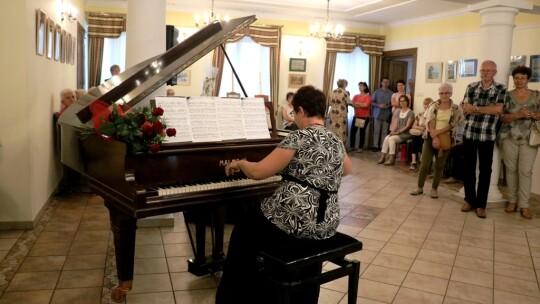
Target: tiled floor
[[416, 250]]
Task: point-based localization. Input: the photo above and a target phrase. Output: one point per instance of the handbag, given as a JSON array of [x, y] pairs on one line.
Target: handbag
[[534, 137], [359, 122], [415, 132], [445, 143]]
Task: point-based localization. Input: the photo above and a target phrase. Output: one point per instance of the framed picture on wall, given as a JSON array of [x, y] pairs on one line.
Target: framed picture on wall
[[57, 42], [516, 61], [73, 49], [297, 80], [434, 71], [451, 71], [63, 38], [41, 29], [297, 65], [467, 67], [184, 78], [535, 67], [50, 39]]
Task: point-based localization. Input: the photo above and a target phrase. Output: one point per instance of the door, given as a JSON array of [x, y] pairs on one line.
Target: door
[[397, 70]]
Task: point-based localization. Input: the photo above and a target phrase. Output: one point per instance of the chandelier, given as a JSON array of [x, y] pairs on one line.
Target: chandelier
[[326, 30], [209, 18]]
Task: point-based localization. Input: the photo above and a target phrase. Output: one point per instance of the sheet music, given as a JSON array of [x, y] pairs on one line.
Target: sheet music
[[175, 116], [253, 110], [203, 119], [231, 119]]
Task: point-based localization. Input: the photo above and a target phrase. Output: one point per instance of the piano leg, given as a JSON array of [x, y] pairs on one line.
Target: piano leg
[[124, 229]]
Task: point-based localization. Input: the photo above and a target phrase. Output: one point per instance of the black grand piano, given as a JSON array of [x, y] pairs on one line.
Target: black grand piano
[[129, 183]]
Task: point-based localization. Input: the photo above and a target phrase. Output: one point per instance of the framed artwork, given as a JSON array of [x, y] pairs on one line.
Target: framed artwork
[[50, 38], [535, 67], [63, 38], [184, 78], [516, 61], [467, 67], [73, 50], [68, 48], [57, 42], [297, 80], [41, 29], [297, 65], [451, 71], [434, 71]]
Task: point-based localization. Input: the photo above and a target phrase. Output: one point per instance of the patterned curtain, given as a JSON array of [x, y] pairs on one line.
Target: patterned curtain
[[266, 35], [100, 26]]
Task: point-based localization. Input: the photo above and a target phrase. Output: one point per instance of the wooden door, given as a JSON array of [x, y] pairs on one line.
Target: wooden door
[[397, 70]]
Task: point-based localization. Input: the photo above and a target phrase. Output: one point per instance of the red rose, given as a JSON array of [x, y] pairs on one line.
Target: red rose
[[154, 148], [171, 132], [147, 128], [158, 127], [157, 111]]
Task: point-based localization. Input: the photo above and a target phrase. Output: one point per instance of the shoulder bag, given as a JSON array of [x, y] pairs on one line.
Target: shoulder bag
[[359, 122], [445, 143], [534, 137]]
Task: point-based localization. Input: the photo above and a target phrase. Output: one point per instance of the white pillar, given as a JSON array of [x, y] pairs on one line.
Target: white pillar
[[496, 34]]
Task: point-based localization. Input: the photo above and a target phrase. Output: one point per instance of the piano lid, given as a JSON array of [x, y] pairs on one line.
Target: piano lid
[[139, 81]]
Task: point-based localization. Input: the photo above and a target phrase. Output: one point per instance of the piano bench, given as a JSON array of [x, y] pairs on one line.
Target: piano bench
[[276, 267]]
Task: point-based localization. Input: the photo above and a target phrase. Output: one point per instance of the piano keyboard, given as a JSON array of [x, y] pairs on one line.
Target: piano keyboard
[[217, 185]]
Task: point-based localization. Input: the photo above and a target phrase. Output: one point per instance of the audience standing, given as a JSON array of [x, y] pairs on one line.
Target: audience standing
[[482, 104], [522, 108], [338, 101], [400, 133], [417, 131], [362, 106], [442, 117], [380, 105]]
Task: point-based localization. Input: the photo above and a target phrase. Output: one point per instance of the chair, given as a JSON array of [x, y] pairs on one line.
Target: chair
[[276, 266]]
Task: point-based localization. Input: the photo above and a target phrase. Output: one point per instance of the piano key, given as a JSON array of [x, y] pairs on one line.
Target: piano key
[[171, 190]]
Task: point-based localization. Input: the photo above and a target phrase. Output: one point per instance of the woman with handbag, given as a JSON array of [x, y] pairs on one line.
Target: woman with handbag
[[400, 133], [361, 104], [417, 132], [442, 117], [521, 115]]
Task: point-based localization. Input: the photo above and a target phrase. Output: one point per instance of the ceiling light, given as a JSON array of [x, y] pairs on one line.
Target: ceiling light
[[209, 18], [327, 29]]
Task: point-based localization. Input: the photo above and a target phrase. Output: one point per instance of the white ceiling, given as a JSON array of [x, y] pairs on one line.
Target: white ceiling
[[348, 12]]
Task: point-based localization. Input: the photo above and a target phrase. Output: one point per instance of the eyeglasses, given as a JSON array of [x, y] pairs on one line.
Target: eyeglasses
[[445, 93], [487, 71]]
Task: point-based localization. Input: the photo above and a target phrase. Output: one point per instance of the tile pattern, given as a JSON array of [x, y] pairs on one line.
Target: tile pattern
[[416, 250]]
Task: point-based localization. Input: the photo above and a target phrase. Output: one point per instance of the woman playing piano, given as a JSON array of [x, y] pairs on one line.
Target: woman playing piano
[[302, 211]]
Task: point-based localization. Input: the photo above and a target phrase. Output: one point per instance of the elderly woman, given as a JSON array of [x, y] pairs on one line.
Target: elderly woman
[[400, 133], [522, 108], [417, 131], [301, 212], [442, 117], [338, 101]]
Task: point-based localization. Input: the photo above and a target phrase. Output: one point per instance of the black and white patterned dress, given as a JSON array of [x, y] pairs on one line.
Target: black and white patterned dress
[[318, 161]]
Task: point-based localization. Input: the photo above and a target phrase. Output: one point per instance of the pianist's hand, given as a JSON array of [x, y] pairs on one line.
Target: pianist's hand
[[232, 168]]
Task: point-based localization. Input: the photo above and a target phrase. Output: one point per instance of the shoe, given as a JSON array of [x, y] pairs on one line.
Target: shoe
[[417, 192], [480, 212], [434, 193], [391, 160], [376, 149], [511, 208], [359, 151], [526, 213], [466, 207], [413, 167], [451, 180], [381, 160], [430, 176]]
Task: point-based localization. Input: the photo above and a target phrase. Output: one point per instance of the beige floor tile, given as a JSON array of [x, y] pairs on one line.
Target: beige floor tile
[[475, 252], [512, 248], [411, 296], [393, 261], [149, 251], [11, 234], [203, 296], [518, 286], [488, 235], [440, 246], [384, 274], [50, 249], [473, 293], [144, 283], [83, 248], [61, 226], [413, 231], [472, 277], [95, 225], [92, 236], [3, 254], [27, 297], [6, 244], [340, 285], [33, 281], [436, 256], [374, 235], [172, 250], [513, 259], [449, 300], [175, 237], [80, 278], [401, 250], [432, 269], [77, 295], [511, 239], [476, 242], [151, 265], [151, 297], [504, 297], [372, 245], [148, 239], [407, 240], [425, 283], [481, 265], [187, 281], [364, 256], [79, 262], [535, 252], [513, 271], [56, 237], [444, 237], [377, 291], [43, 263], [177, 264]]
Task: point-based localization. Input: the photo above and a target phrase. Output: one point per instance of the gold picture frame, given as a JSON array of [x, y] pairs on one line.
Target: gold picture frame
[[434, 71], [41, 32], [50, 39], [297, 80]]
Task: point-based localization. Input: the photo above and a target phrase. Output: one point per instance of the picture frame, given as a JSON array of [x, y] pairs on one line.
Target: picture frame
[[183, 78], [535, 67], [468, 67], [68, 48], [50, 38], [57, 42], [296, 80], [434, 72], [297, 65], [63, 38], [451, 71], [516, 61], [41, 29], [73, 50]]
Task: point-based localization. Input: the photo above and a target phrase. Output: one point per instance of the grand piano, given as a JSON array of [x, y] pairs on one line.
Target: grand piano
[[130, 183]]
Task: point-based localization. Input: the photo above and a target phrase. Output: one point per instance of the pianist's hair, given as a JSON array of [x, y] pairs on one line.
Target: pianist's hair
[[312, 100]]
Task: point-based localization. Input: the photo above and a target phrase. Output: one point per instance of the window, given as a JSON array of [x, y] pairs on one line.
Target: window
[[354, 67], [251, 61], [114, 52]]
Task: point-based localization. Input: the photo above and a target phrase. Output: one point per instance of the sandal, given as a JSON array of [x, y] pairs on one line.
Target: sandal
[[526, 213], [511, 208], [417, 192], [413, 167]]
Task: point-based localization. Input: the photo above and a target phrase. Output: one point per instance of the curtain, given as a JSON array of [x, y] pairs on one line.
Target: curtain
[[266, 35], [100, 26]]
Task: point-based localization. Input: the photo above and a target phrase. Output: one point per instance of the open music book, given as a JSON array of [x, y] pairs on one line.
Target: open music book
[[207, 119]]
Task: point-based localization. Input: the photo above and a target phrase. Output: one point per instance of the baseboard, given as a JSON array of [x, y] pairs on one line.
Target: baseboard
[[27, 225]]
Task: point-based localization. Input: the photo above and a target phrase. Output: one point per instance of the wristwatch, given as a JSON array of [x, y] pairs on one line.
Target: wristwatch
[[475, 109]]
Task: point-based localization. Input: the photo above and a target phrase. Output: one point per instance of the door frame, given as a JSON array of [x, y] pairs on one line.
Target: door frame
[[401, 54]]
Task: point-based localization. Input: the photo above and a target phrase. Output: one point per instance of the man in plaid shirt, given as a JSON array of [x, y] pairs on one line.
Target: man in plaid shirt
[[482, 105]]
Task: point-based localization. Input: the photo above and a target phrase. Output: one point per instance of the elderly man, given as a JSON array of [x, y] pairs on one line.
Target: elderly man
[[482, 105], [67, 98], [170, 92], [381, 107]]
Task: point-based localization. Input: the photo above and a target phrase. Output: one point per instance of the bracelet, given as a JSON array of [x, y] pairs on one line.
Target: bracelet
[[475, 109]]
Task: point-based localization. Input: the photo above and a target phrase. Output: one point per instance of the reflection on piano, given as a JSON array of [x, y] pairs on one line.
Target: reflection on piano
[[180, 177]]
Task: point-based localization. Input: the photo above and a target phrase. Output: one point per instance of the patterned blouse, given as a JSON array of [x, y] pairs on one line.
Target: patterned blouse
[[521, 128], [319, 161], [456, 117]]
